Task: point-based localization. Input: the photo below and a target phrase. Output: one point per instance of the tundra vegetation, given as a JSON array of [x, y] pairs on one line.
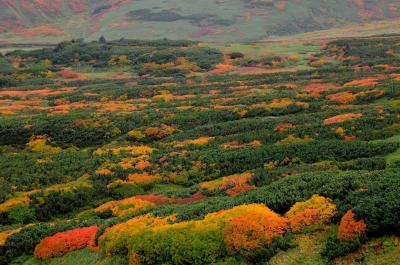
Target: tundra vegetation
[[179, 152]]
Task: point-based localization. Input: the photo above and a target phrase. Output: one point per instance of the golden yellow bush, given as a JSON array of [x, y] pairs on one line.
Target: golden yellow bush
[[317, 210]]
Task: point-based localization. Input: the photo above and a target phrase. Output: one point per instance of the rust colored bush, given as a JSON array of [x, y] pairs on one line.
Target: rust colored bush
[[237, 189], [342, 118], [194, 198], [342, 97], [349, 228], [249, 230]]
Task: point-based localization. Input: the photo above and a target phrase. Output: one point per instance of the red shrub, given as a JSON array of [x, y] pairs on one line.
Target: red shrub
[[194, 198], [64, 242]]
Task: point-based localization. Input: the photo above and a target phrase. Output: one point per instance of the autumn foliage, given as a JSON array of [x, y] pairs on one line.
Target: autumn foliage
[[363, 82], [317, 210], [233, 185], [127, 206], [4, 235], [69, 74], [222, 68], [283, 126], [349, 228], [118, 236], [64, 242], [142, 178], [342, 118], [251, 229], [342, 97]]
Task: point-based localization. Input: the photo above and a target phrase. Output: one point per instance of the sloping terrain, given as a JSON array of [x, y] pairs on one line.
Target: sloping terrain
[[180, 152], [216, 20]]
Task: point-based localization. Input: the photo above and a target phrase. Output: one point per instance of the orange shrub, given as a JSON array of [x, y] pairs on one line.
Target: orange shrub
[[237, 189], [142, 178], [317, 210], [229, 182], [106, 206], [69, 74], [316, 88], [283, 126], [280, 103], [151, 131], [342, 118], [4, 235], [222, 68], [103, 171], [363, 82], [342, 97], [127, 162], [250, 229], [159, 132], [7, 205], [64, 242], [349, 228], [349, 137], [318, 63]]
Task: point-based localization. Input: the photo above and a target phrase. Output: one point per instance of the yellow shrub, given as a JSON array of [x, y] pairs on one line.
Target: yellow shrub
[[39, 144], [317, 210]]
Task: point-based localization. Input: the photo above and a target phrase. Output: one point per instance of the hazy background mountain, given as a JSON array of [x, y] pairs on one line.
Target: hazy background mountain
[[217, 20]]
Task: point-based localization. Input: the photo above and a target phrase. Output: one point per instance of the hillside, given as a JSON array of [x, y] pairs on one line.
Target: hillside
[[179, 152], [206, 20]]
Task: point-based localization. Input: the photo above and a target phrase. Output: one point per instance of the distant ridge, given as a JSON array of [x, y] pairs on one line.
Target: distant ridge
[[206, 20]]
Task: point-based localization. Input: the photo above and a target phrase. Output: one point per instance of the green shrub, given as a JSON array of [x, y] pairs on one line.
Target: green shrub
[[335, 247], [263, 254], [373, 163]]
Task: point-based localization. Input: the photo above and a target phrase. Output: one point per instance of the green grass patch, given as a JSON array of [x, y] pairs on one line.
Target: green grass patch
[[85, 256]]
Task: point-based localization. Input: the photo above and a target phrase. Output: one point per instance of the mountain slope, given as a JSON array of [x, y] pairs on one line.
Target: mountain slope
[[219, 20]]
